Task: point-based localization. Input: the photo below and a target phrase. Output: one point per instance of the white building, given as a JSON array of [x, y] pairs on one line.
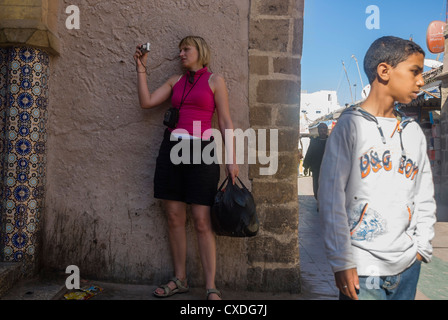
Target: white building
[[317, 104]]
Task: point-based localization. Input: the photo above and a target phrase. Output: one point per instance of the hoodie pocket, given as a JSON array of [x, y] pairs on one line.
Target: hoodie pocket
[[365, 223]]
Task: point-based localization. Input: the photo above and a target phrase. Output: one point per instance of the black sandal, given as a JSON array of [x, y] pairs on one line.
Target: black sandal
[[215, 291], [181, 287]]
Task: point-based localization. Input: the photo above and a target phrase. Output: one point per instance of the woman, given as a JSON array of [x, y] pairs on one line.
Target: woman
[[196, 93]]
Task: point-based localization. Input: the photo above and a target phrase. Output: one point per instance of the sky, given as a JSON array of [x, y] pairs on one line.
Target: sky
[[334, 30]]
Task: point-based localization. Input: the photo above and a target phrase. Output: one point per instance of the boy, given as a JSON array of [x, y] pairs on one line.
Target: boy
[[376, 195]]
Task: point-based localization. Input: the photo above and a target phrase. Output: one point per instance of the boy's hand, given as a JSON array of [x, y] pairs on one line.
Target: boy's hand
[[419, 257], [347, 282]]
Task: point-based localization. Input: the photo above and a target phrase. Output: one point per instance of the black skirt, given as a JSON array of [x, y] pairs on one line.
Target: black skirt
[[192, 181]]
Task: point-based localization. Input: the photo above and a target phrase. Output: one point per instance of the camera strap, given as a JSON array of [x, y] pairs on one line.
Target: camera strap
[[184, 97]]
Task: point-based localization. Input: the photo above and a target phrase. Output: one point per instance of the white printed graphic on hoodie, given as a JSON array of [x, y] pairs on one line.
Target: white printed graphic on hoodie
[[376, 194]]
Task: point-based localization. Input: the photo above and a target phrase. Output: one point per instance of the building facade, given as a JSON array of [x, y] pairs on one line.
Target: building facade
[[78, 154], [318, 104]]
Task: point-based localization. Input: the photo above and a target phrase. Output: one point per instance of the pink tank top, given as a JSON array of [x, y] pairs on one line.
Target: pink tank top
[[198, 103]]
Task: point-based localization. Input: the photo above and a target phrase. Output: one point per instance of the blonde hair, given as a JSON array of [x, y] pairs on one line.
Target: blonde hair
[[201, 46]]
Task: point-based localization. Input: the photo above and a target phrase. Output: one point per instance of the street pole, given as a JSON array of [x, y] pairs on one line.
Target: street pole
[[348, 80], [360, 78]]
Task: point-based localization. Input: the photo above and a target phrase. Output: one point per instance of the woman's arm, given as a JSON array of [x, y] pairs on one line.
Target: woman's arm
[[147, 99], [218, 86]]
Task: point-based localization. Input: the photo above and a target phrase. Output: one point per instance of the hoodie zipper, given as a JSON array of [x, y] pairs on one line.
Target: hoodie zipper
[[410, 213], [364, 210]]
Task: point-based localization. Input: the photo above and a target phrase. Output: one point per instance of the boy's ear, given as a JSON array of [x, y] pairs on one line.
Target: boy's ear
[[383, 71]]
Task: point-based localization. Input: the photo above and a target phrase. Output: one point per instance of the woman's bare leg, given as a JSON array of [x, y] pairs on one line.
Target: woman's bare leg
[[177, 216], [206, 244]]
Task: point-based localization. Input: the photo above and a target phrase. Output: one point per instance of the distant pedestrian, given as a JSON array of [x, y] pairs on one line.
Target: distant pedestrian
[[314, 155], [300, 158], [377, 198]]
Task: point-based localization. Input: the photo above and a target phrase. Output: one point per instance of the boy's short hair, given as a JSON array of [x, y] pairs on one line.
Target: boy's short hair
[[202, 47], [391, 50]]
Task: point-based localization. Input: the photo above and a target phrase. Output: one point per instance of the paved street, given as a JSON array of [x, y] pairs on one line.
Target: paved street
[[317, 277]]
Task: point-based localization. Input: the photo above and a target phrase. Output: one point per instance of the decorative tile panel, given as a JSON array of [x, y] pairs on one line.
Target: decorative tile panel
[[23, 150], [3, 142]]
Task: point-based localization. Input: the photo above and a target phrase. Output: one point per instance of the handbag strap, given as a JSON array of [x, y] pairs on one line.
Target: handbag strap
[[242, 183], [227, 178]]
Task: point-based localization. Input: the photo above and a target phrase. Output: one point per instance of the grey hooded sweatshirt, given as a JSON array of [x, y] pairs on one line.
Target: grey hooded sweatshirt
[[376, 194]]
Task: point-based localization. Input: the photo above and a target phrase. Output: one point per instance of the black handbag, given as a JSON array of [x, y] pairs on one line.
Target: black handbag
[[233, 213]]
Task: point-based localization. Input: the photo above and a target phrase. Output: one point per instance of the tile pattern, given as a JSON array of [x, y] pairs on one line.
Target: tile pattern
[[24, 74], [3, 142]]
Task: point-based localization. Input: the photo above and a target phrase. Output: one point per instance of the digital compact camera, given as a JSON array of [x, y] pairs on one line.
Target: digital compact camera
[[171, 118], [145, 48]]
